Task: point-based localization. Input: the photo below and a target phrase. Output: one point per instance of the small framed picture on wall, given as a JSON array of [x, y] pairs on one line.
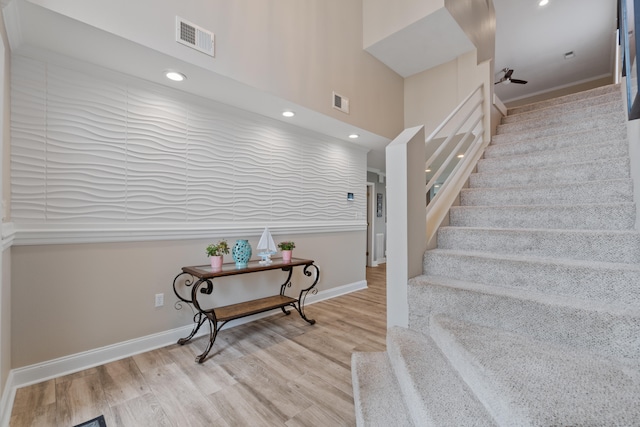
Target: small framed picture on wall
[[379, 206]]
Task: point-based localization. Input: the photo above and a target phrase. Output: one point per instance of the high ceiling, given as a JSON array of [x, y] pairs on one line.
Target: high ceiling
[[530, 39], [533, 40]]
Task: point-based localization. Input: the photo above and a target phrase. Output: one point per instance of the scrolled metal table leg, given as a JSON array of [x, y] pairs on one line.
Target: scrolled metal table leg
[[305, 292], [198, 323], [213, 333]]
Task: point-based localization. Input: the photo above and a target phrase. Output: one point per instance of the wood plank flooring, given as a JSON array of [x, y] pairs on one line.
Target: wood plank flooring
[[277, 371]]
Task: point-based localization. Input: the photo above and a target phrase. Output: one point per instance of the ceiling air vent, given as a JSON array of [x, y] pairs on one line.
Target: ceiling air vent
[[195, 37]]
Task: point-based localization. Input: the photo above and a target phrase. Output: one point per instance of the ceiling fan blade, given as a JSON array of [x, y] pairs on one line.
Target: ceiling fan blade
[[520, 82], [507, 75]]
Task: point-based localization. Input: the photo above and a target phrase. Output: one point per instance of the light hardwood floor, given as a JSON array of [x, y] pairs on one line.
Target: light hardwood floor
[[277, 371]]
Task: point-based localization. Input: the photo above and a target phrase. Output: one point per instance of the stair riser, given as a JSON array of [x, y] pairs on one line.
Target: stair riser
[[612, 135], [619, 191], [585, 282], [580, 172], [555, 157], [562, 118], [586, 217], [586, 95], [524, 382], [597, 332], [570, 138], [543, 131], [598, 102], [425, 377], [582, 245], [376, 394]]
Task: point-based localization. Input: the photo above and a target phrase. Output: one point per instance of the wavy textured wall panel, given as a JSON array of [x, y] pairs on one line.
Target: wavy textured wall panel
[[93, 150]]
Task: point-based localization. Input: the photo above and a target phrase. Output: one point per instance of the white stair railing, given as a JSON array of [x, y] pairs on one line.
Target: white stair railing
[[455, 154], [408, 234]]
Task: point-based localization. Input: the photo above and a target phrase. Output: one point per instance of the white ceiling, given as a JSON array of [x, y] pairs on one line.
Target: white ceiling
[[532, 40]]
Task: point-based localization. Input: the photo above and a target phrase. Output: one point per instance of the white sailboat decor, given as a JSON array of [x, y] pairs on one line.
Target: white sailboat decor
[[266, 247]]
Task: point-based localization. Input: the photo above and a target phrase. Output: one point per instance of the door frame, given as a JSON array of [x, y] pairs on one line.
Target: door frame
[[371, 232]]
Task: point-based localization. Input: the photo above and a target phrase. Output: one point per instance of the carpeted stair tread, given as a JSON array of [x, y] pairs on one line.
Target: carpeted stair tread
[[529, 382], [558, 129], [609, 330], [617, 168], [528, 310], [377, 396], [566, 99], [610, 283], [611, 216], [432, 389], [588, 112], [610, 191], [608, 132], [603, 245], [577, 154], [541, 113]]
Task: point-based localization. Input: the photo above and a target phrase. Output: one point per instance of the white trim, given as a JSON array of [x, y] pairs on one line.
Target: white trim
[[47, 234], [499, 105], [6, 403], [8, 232], [43, 371]]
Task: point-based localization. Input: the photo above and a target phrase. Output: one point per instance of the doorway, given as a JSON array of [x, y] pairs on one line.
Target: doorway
[[371, 208]]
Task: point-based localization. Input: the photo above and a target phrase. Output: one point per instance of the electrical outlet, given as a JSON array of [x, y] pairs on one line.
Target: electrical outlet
[[159, 300]]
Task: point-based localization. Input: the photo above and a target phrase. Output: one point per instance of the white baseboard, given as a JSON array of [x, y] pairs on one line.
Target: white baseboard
[[32, 374]]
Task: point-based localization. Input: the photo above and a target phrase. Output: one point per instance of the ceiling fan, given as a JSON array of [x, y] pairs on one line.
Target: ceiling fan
[[506, 79]]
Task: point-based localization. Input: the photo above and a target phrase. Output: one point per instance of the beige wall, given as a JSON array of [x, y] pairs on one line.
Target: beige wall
[[298, 50], [73, 298], [431, 95]]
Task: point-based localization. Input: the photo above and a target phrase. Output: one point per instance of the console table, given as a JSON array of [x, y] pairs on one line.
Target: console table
[[196, 280]]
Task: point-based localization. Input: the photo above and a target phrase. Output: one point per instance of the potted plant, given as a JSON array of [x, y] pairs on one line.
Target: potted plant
[[216, 252], [287, 249]]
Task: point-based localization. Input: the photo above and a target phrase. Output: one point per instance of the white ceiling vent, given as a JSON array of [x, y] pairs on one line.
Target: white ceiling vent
[[193, 36]]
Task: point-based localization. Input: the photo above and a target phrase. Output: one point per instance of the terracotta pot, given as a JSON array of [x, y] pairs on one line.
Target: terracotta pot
[[286, 256]]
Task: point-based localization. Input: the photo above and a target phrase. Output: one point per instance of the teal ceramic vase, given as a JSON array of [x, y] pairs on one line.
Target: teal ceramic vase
[[241, 253]]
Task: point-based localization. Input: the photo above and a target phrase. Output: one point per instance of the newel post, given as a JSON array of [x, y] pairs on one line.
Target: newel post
[[406, 219]]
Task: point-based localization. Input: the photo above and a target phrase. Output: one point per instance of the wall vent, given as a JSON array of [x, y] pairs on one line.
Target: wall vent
[[340, 103], [194, 36]]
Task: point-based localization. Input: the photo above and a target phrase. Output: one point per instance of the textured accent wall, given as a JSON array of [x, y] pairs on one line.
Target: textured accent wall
[[103, 148]]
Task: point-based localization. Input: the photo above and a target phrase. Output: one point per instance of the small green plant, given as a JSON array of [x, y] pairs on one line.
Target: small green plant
[[222, 247], [286, 246]]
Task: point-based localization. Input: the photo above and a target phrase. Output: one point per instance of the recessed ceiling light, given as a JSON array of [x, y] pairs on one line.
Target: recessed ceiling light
[[175, 76], [288, 114], [543, 2], [427, 170], [437, 186], [354, 136], [460, 156]]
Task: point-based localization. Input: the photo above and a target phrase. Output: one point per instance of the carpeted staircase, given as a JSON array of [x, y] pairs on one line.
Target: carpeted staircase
[[528, 312]]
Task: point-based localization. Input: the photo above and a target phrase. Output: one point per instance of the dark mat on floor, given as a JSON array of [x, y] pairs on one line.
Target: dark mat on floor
[[96, 422]]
